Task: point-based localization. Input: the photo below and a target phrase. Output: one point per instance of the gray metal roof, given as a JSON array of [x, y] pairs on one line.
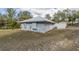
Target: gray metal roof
[[37, 19]]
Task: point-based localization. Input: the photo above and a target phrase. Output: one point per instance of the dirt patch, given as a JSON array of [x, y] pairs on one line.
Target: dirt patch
[[54, 40]]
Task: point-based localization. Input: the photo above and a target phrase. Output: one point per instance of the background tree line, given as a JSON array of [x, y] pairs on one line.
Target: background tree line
[[11, 18], [66, 15]]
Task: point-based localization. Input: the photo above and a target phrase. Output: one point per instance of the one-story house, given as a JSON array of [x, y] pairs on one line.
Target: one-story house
[[38, 24]]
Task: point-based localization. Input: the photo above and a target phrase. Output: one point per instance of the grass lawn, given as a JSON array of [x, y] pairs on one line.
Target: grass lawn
[[54, 40]]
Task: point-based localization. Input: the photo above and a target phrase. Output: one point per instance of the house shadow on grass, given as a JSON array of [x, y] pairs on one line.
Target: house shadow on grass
[[55, 40]]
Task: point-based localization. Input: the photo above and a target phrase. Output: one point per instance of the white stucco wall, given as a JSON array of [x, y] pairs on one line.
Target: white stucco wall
[[37, 27], [42, 27], [61, 25]]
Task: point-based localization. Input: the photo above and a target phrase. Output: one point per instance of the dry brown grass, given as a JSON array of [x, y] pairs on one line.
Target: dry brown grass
[[54, 40]]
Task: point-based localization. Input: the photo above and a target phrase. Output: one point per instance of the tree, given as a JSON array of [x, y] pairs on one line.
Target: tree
[[68, 14], [48, 16], [24, 15], [72, 16], [77, 14], [59, 16], [11, 23], [2, 21], [11, 13]]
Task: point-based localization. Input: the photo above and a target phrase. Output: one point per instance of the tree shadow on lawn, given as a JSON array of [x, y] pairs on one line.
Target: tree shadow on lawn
[[55, 40]]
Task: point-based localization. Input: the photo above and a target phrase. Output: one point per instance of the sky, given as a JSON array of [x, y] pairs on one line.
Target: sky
[[41, 11], [37, 11], [2, 10], [34, 11]]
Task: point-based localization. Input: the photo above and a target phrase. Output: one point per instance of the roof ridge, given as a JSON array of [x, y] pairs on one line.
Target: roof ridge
[[37, 19]]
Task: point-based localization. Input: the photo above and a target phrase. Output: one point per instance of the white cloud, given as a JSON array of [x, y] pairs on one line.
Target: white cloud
[[41, 11], [24, 9]]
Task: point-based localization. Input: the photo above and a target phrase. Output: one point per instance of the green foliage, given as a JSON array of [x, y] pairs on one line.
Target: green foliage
[[11, 13], [48, 16], [61, 16], [2, 21], [24, 15], [13, 24], [9, 20]]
